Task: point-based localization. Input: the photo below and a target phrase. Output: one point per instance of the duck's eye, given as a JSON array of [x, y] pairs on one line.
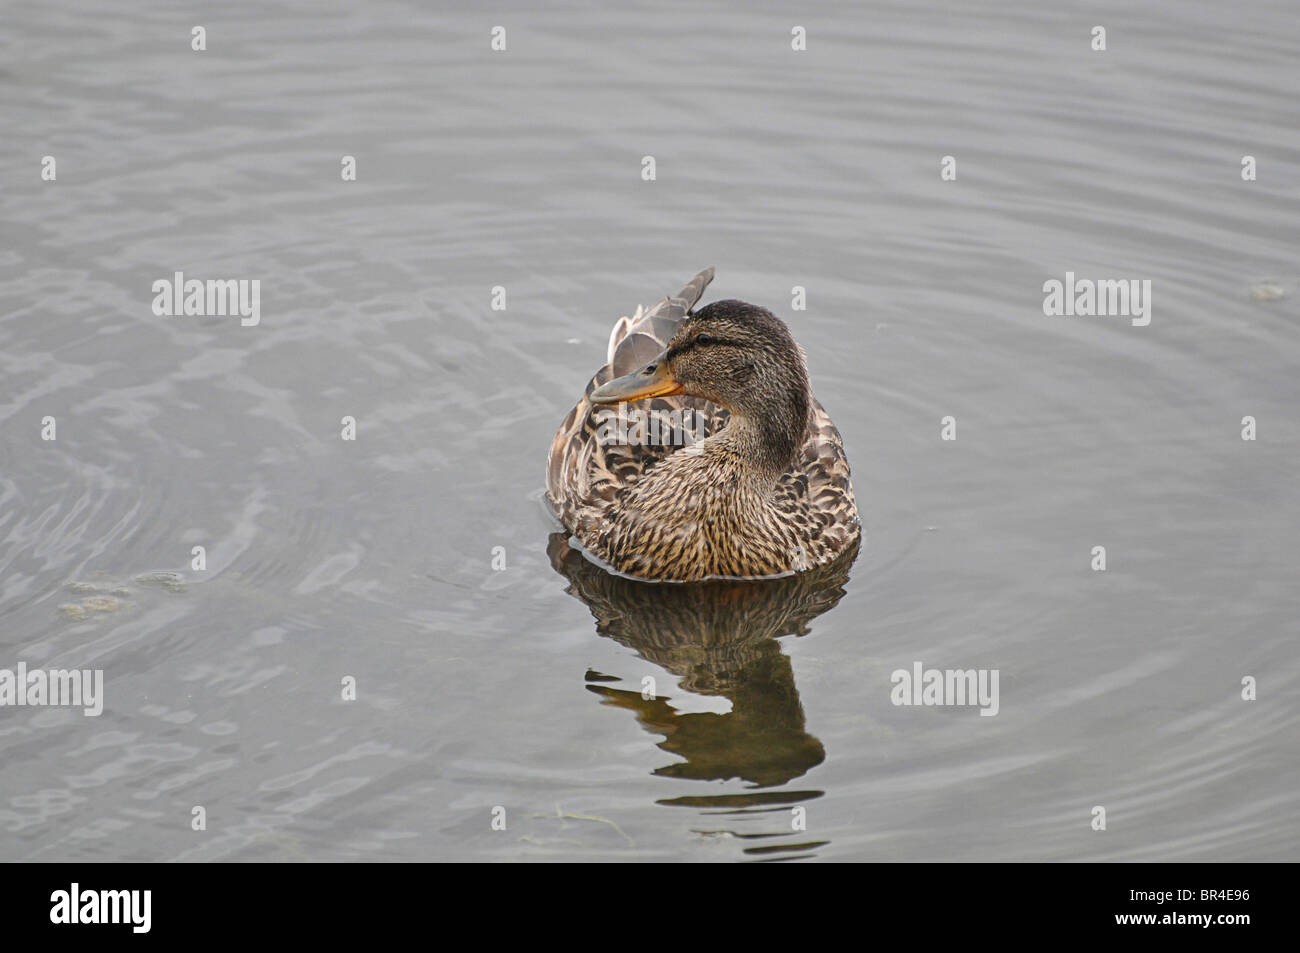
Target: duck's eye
[[706, 339]]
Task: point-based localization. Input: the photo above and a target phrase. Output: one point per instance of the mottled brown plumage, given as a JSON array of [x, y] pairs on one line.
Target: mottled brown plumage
[[737, 470]]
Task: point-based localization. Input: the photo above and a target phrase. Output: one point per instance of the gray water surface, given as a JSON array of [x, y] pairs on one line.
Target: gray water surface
[[479, 688]]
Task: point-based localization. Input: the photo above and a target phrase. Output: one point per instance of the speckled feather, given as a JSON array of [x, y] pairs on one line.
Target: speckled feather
[[668, 511]]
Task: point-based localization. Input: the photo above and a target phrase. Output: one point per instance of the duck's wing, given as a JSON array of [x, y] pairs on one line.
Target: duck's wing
[[816, 493], [588, 463]]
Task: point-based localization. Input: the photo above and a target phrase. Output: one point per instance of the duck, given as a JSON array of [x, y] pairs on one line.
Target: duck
[[730, 467]]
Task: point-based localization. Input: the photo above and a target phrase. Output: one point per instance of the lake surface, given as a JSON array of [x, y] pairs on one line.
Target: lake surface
[[479, 687]]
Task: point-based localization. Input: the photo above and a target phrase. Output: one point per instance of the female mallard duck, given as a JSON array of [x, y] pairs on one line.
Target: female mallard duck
[[731, 468]]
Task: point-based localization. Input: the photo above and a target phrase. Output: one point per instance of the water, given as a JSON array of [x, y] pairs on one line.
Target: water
[[372, 559]]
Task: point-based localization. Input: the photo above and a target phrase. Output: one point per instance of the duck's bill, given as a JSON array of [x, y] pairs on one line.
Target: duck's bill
[[653, 380]]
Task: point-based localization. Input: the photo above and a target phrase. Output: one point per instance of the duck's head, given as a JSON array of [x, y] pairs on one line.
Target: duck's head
[[739, 356]]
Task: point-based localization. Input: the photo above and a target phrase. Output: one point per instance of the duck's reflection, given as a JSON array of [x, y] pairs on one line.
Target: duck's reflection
[[719, 638]]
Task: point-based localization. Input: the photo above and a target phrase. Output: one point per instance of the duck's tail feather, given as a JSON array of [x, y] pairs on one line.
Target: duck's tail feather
[[658, 324]]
